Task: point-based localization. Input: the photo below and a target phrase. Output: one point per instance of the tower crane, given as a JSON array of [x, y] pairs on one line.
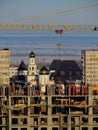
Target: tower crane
[[15, 25]]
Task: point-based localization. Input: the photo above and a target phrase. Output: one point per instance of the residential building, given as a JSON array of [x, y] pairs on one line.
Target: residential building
[[4, 66], [89, 60], [13, 71]]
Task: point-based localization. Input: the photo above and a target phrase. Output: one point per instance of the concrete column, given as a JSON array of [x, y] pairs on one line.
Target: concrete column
[[49, 113], [9, 113], [90, 119], [69, 122], [28, 113]]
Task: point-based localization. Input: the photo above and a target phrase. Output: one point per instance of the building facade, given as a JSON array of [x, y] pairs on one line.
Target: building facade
[[90, 66], [4, 66]]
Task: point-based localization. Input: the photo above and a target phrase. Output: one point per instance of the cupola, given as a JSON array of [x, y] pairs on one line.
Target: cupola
[[44, 71], [32, 55]]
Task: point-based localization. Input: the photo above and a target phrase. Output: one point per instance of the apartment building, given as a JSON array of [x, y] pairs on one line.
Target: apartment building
[[4, 66], [89, 60], [4, 120], [73, 106]]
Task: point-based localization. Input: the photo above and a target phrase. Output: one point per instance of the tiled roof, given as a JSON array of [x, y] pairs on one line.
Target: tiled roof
[[55, 64], [69, 65], [67, 70]]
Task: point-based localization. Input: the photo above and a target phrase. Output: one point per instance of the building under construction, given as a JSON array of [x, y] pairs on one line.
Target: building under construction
[[52, 107], [42, 104]]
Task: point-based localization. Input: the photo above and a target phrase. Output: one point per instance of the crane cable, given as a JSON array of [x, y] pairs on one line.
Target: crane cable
[[54, 13]]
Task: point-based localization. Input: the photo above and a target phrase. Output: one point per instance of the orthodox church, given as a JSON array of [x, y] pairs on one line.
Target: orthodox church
[[58, 72], [30, 74]]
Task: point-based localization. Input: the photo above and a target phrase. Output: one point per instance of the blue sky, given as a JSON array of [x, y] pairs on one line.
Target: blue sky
[[20, 9]]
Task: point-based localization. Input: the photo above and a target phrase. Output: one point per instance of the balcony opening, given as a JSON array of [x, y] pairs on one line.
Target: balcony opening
[[35, 128], [95, 120], [84, 128], [23, 128], [95, 128], [14, 128], [65, 119], [14, 121], [65, 129], [23, 120], [55, 128], [43, 128], [84, 120]]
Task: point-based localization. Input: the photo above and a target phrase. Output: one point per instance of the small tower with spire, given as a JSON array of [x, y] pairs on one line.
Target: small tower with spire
[[32, 68], [32, 64]]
